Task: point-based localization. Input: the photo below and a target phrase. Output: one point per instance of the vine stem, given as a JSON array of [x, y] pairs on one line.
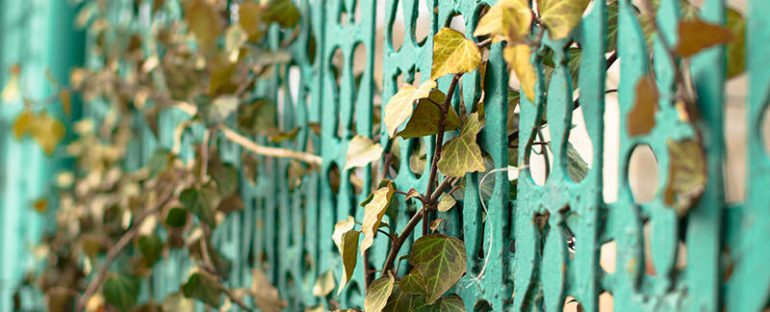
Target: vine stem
[[122, 243], [275, 152]]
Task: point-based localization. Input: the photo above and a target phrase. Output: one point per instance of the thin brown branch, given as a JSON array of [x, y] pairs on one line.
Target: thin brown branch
[[269, 151], [116, 249]]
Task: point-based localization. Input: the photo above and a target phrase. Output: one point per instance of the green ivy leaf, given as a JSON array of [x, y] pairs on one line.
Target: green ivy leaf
[[204, 287], [462, 154], [121, 291], [425, 120], [451, 303], [441, 262], [176, 217], [453, 54], [226, 177], [203, 21], [258, 117], [202, 202], [361, 152], [231, 204], [159, 161], [177, 302], [403, 301], [151, 248], [378, 293], [373, 212]]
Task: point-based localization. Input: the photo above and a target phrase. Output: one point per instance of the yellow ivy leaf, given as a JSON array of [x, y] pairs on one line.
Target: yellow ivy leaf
[[203, 21], [401, 105], [641, 118], [507, 20], [453, 54], [340, 228], [324, 284], [11, 88], [250, 19], [23, 124], [518, 58], [695, 35], [425, 121], [66, 101], [40, 205], [378, 293], [561, 16], [373, 212], [687, 175], [361, 152], [446, 202], [462, 154], [46, 130], [348, 250]]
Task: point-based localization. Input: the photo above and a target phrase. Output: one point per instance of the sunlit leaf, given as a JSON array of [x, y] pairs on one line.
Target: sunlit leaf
[[204, 287], [641, 118], [561, 16], [506, 20], [348, 248], [403, 301], [518, 58], [441, 262], [462, 155], [121, 291], [736, 49], [696, 35], [687, 175], [250, 19], [453, 54], [46, 130], [177, 302], [378, 293], [361, 152], [446, 202], [373, 212], [11, 88], [324, 284], [340, 228], [219, 109], [265, 294], [413, 283], [401, 106]]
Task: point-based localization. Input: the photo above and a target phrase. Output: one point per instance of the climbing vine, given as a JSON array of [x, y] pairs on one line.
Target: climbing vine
[[114, 223]]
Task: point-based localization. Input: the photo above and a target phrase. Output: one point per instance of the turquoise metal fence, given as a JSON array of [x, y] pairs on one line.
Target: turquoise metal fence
[[526, 267]]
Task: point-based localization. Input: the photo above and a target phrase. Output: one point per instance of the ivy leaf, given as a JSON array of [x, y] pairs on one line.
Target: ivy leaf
[[340, 228], [413, 283], [284, 136], [218, 110], [250, 19], [151, 248], [507, 20], [176, 217], [361, 152], [204, 287], [324, 284], [46, 130], [641, 118], [687, 175], [121, 291], [518, 58], [441, 262], [231, 204], [283, 12], [425, 121], [265, 294], [177, 302], [453, 54], [203, 21], [736, 49], [577, 168], [202, 202], [349, 251], [561, 16], [403, 301], [612, 25], [462, 154], [446, 202], [401, 105], [696, 35], [451, 303], [226, 177], [258, 117], [378, 293], [373, 212]]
